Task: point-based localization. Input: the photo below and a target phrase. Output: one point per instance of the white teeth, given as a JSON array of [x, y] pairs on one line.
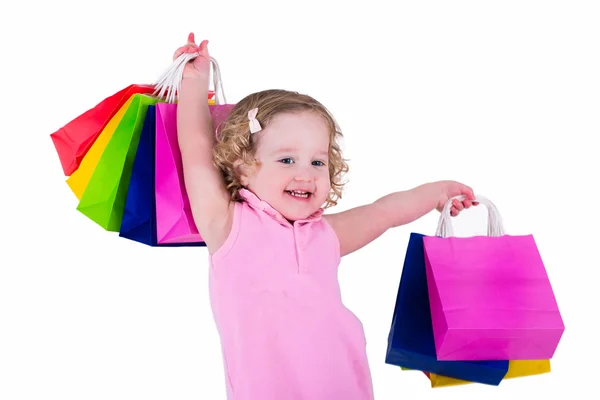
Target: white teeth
[[298, 194]]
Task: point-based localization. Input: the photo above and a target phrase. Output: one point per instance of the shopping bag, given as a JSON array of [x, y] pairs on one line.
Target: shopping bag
[[516, 369], [410, 341], [139, 216], [103, 200], [174, 219], [74, 139], [490, 296], [80, 178]]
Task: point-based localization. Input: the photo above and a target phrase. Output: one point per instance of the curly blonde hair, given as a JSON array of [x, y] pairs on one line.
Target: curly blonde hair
[[234, 143]]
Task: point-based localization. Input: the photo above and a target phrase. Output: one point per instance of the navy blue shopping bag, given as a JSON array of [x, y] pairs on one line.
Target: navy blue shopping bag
[[139, 218], [410, 342]]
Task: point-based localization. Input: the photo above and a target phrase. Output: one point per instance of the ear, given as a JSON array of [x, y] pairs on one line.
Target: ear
[[244, 172]]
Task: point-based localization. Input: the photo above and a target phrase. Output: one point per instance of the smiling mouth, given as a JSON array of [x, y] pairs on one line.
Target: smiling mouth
[[299, 194]]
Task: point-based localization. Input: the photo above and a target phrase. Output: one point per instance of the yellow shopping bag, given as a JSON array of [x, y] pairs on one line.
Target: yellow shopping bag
[[516, 369], [80, 178]]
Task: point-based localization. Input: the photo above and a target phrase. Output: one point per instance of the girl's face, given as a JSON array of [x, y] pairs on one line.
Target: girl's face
[[292, 174]]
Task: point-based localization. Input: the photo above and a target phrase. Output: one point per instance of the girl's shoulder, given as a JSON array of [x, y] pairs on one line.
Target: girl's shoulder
[[245, 227]]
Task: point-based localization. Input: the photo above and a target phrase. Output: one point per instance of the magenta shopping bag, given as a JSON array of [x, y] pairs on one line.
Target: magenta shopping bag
[[174, 221], [490, 296]]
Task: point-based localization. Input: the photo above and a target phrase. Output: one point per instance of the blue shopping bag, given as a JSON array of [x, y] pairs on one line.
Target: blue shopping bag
[[410, 342], [139, 217]]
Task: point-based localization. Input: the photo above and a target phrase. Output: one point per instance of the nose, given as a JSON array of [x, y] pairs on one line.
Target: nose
[[304, 174]]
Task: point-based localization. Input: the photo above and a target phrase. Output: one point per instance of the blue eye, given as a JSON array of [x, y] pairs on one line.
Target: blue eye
[[286, 160], [318, 163]]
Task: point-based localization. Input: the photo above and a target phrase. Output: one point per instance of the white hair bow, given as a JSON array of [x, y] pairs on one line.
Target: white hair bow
[[254, 124]]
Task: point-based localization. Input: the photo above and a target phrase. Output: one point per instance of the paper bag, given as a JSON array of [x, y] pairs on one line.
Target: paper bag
[[490, 296], [410, 342], [103, 200], [174, 220], [73, 140]]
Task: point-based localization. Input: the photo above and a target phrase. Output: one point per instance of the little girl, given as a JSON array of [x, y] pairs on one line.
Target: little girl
[[257, 195]]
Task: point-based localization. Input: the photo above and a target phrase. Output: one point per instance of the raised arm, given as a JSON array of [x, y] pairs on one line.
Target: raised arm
[[210, 203], [359, 226]]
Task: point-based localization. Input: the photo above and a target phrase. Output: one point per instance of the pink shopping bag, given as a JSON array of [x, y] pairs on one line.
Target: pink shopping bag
[[490, 296], [174, 220]]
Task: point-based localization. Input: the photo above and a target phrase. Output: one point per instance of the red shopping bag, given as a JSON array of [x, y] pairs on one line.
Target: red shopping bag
[[73, 140]]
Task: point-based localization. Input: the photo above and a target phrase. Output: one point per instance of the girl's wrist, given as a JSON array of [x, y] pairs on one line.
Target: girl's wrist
[[196, 82], [433, 193]]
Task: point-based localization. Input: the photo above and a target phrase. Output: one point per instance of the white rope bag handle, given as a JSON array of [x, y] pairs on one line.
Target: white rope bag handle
[[495, 225], [168, 85]]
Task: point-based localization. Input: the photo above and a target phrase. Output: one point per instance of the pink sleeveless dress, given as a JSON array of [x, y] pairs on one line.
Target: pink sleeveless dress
[[285, 333]]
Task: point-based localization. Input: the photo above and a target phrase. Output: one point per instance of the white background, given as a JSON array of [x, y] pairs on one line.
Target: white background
[[503, 96]]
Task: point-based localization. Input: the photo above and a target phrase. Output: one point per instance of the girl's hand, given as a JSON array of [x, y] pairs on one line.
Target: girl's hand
[[199, 67], [449, 189]]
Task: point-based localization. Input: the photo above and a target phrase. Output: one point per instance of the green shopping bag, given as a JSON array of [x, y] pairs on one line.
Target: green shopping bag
[[103, 200]]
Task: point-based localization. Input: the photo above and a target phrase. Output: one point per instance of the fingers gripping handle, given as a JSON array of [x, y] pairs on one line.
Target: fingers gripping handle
[[495, 224], [168, 85]]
